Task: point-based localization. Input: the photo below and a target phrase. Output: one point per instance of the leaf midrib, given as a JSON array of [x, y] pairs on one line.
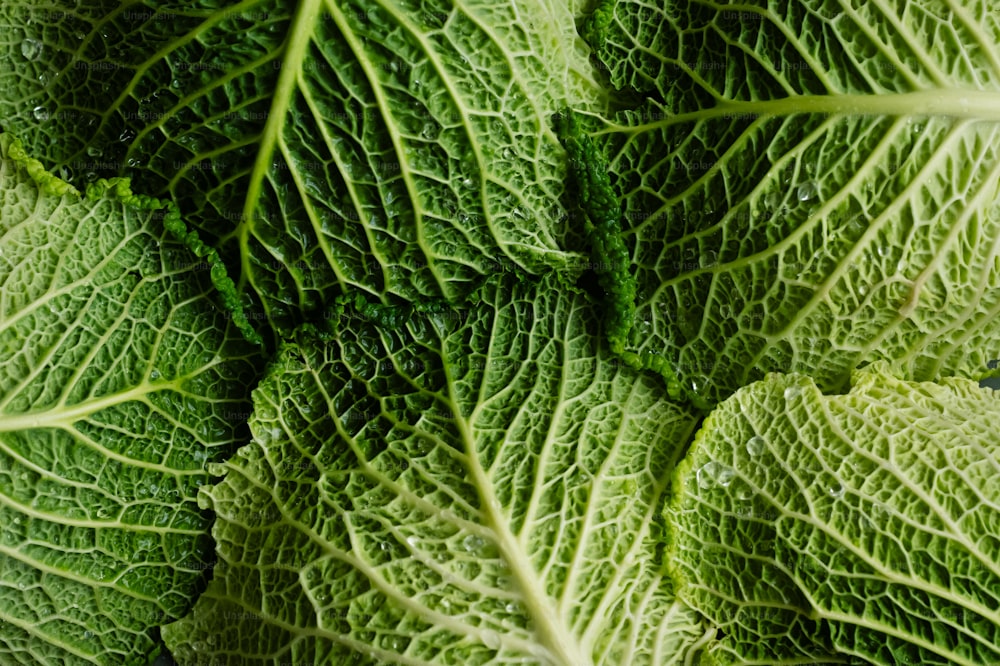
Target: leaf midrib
[[297, 42], [948, 102]]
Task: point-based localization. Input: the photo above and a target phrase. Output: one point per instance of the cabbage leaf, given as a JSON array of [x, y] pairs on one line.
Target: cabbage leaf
[[854, 528], [807, 186], [475, 486], [400, 149], [120, 380]]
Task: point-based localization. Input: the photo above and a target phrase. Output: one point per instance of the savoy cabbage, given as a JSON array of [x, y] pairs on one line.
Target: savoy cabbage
[[499, 331]]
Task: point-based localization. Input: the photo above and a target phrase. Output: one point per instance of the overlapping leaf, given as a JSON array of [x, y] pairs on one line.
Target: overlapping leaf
[[474, 487], [120, 380], [400, 148], [855, 528], [808, 185]]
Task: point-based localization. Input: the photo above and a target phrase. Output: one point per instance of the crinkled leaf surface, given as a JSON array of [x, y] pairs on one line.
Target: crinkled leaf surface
[[819, 528], [400, 148], [473, 487], [119, 381], [808, 185]]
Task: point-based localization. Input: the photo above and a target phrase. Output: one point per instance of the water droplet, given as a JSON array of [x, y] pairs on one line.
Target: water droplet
[[412, 541], [473, 543], [491, 639], [40, 113], [792, 392], [807, 191], [155, 374], [755, 445], [836, 490], [31, 49], [714, 473], [468, 183], [126, 135], [695, 384]]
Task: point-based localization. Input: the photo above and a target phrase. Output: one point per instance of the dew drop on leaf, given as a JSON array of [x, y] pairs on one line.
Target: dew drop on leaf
[[755, 445], [472, 543], [31, 49], [713, 474], [807, 191], [40, 113]]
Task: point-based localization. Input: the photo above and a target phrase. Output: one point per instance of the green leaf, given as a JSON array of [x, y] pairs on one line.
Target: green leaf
[[119, 381], [817, 528], [480, 486], [808, 186], [401, 149]]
